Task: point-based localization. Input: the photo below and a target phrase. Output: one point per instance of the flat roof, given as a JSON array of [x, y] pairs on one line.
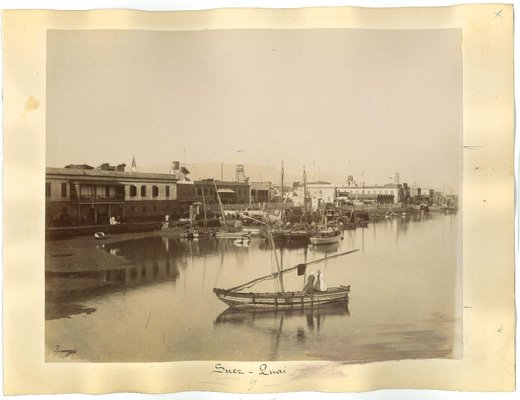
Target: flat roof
[[72, 173]]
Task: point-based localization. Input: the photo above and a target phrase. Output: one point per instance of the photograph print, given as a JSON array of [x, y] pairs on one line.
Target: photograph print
[[253, 195]]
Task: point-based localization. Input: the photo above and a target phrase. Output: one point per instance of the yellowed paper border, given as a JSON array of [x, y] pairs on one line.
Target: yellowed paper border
[[488, 230]]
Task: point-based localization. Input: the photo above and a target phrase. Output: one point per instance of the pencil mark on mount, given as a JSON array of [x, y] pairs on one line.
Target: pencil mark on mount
[[148, 320], [498, 14], [215, 383], [476, 147]]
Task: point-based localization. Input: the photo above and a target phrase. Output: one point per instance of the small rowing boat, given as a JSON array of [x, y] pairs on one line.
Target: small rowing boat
[[100, 235], [236, 298], [231, 235], [329, 236], [282, 300]]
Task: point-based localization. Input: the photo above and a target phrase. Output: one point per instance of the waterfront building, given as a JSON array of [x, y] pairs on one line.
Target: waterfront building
[[438, 198], [425, 196], [389, 193], [230, 192], [83, 195], [320, 193], [261, 192]]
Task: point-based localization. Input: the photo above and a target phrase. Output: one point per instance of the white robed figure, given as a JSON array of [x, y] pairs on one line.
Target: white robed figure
[[320, 284]]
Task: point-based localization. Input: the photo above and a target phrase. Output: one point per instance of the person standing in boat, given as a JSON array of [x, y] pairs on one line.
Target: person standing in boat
[[309, 287], [320, 285]]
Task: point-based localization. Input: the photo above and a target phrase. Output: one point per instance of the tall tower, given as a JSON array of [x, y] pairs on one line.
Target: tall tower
[[240, 175], [134, 165], [396, 180]]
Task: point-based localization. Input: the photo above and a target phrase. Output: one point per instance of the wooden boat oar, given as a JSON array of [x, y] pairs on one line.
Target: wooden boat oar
[[275, 274]]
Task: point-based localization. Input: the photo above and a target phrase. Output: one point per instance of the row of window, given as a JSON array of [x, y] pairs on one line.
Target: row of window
[[373, 191], [143, 190], [211, 192], [119, 190]]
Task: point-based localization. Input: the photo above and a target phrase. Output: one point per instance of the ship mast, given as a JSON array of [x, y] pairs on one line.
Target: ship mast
[[305, 196], [281, 211], [204, 208], [221, 208]]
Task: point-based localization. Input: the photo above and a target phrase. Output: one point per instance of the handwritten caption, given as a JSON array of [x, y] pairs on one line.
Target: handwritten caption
[[262, 370]]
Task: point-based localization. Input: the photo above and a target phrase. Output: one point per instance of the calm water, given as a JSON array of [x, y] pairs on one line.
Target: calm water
[[405, 300]]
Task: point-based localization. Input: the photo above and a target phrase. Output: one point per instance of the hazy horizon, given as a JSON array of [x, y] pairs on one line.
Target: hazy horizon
[[367, 103]]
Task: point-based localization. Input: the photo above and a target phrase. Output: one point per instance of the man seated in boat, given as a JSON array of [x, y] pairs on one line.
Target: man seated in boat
[[309, 287], [319, 285]]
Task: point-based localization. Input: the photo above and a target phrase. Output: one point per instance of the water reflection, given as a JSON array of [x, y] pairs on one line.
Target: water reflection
[[310, 315], [325, 248], [298, 326], [402, 279]]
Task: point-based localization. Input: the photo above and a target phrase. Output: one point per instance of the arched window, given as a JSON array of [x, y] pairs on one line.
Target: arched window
[[143, 191]]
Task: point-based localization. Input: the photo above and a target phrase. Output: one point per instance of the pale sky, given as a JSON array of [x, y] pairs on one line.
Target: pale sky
[[363, 102]]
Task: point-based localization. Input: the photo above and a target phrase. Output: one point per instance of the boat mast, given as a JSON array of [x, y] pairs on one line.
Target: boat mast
[[281, 212], [221, 208], [271, 241], [204, 208], [305, 196], [278, 267]]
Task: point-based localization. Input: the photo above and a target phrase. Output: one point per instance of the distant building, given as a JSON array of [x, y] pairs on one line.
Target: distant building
[[81, 195], [438, 198], [425, 196], [320, 193], [261, 192], [230, 192], [389, 193]]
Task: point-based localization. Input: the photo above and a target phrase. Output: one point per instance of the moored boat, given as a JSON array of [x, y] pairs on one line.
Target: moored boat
[[255, 231], [231, 235], [361, 223], [244, 241], [326, 237], [236, 298], [282, 300], [300, 235]]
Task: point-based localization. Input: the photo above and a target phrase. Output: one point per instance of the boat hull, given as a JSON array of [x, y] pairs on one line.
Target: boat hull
[[325, 240], [282, 300], [231, 235], [297, 236]]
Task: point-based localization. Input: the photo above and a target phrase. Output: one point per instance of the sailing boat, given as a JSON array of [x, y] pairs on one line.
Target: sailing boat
[[204, 232], [192, 233], [226, 234], [302, 233], [235, 298], [326, 236], [277, 234]]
